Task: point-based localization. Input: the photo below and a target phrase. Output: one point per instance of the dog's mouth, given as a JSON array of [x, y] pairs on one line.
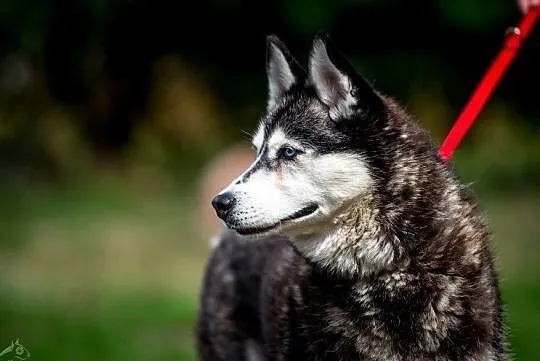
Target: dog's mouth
[[306, 211]]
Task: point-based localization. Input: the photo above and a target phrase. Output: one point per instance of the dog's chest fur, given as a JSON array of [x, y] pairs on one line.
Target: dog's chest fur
[[298, 312]]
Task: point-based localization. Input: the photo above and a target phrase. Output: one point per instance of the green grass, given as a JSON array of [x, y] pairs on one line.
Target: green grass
[[128, 327], [523, 316]]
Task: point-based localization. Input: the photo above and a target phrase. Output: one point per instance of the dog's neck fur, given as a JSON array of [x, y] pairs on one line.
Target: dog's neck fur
[[362, 239], [354, 243]]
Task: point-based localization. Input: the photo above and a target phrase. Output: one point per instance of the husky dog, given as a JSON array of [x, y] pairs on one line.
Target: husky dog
[[367, 246]]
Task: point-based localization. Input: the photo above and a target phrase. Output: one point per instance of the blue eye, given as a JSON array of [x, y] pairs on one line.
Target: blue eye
[[288, 153]]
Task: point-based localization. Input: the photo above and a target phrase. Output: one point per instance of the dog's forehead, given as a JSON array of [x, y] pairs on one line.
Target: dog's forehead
[[300, 118]]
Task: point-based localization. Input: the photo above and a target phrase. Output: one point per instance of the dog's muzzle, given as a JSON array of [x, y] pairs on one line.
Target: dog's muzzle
[[223, 203]]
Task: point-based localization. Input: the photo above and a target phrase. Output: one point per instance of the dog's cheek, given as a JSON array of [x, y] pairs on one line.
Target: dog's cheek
[[303, 187], [295, 183], [343, 176]]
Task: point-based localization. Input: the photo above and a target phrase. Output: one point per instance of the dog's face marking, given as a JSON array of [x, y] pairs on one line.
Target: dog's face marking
[[306, 169], [258, 138], [290, 196]]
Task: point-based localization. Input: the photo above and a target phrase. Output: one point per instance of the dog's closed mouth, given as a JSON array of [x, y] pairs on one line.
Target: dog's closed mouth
[[306, 211]]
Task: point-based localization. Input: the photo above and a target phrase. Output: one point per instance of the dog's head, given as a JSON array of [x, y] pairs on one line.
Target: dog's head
[[322, 144]]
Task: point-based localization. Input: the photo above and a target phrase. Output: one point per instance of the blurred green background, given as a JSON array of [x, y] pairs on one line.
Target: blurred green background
[[120, 118]]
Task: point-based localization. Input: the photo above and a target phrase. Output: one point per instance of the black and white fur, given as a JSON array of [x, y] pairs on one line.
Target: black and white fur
[[367, 246]]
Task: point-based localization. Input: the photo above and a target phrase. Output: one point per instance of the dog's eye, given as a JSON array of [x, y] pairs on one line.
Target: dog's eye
[[288, 153]]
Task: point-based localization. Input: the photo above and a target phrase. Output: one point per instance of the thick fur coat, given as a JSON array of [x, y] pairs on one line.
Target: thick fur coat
[[349, 238]]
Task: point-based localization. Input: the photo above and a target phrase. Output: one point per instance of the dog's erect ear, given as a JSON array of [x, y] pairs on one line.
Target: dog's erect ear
[[345, 92], [282, 69]]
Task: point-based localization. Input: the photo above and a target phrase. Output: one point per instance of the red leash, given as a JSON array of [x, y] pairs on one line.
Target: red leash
[[491, 78]]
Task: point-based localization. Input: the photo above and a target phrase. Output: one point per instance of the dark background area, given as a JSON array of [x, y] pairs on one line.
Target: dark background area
[[116, 117]]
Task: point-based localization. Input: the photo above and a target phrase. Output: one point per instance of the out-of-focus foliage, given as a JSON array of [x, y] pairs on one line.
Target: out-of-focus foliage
[[474, 15], [96, 70]]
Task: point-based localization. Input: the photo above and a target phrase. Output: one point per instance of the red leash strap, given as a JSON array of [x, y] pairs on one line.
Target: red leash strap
[[491, 78]]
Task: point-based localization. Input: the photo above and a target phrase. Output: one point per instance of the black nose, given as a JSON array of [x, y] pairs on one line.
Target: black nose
[[222, 203]]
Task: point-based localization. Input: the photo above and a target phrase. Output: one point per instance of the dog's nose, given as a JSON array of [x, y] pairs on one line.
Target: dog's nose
[[222, 203]]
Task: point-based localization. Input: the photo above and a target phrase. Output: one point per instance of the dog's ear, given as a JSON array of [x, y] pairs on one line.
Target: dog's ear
[[346, 93], [282, 69]]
